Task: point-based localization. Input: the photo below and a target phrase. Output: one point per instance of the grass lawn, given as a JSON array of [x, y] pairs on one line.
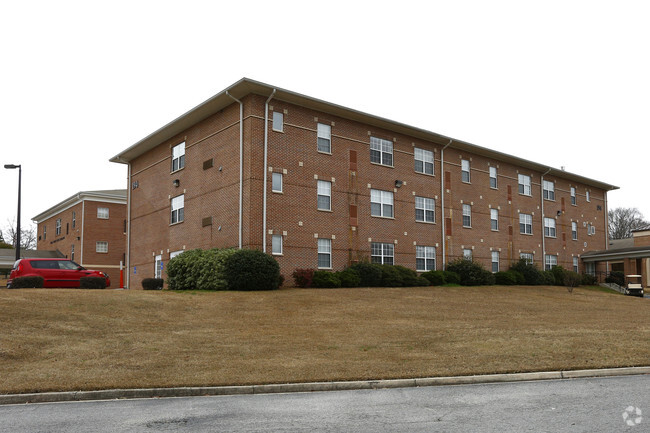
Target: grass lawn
[[54, 340]]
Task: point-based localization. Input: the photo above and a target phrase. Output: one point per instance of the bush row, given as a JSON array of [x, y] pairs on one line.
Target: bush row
[[360, 275]]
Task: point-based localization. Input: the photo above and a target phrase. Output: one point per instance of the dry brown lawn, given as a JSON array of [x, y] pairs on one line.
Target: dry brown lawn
[[53, 340]]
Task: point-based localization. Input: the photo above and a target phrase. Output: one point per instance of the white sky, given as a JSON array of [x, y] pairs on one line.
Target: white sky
[[563, 83]]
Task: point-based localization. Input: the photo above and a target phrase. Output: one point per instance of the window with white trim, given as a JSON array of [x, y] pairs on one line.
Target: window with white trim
[[549, 262], [44, 232], [575, 264], [278, 121], [425, 209], [494, 219], [549, 227], [574, 230], [467, 254], [425, 258], [324, 140], [157, 266], [276, 182], [493, 177], [74, 219], [382, 253], [57, 227], [467, 215], [588, 196], [381, 151], [548, 190], [178, 156], [464, 170], [324, 253], [524, 184], [72, 252], [423, 161], [178, 209], [573, 195], [381, 203], [527, 256], [324, 195], [525, 224], [101, 247], [276, 245], [102, 213], [495, 261]]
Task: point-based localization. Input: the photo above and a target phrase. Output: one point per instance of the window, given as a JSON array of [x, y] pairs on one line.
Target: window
[[464, 169], [102, 213], [324, 253], [494, 219], [57, 227], [493, 178], [425, 209], [178, 209], [495, 261], [382, 253], [72, 252], [590, 268], [549, 262], [524, 184], [574, 230], [381, 203], [575, 264], [548, 190], [324, 192], [278, 121], [276, 244], [178, 156], [175, 253], [44, 232], [587, 193], [525, 224], [573, 195], [425, 258], [527, 256], [101, 247], [74, 219], [324, 138], [276, 182], [157, 267], [467, 215], [381, 151], [467, 254], [549, 227], [423, 161]]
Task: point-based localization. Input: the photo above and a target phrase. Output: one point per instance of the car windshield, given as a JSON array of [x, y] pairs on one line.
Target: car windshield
[[67, 264]]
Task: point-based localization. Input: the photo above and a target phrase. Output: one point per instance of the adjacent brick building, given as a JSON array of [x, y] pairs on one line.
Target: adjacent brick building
[[88, 228], [320, 185]]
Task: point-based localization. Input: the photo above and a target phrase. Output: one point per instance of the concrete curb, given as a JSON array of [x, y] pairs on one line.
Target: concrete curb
[[112, 394]]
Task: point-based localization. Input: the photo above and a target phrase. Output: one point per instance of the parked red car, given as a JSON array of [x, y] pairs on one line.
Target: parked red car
[[55, 272]]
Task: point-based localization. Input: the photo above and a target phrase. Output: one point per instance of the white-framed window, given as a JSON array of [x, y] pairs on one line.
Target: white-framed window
[[525, 224], [74, 219], [324, 140], [464, 169], [101, 247], [549, 227], [157, 267], [524, 184], [575, 264], [276, 182], [324, 253], [529, 257], [573, 195], [574, 230], [467, 254], [381, 203], [548, 190], [175, 253], [102, 213], [423, 161], [57, 227], [276, 245], [382, 253], [44, 232], [588, 196], [178, 209], [495, 261], [72, 252], [591, 229], [550, 261], [494, 219], [278, 121], [178, 156], [425, 209], [590, 268], [324, 195], [381, 151], [425, 258], [467, 215], [493, 178]]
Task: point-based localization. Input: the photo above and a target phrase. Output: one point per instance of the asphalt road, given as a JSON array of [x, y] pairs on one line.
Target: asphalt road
[[612, 404]]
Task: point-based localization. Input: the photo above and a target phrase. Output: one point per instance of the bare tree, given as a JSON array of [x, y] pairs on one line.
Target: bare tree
[[27, 235], [623, 220]]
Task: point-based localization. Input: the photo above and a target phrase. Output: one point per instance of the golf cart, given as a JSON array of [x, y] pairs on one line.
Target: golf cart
[[633, 285]]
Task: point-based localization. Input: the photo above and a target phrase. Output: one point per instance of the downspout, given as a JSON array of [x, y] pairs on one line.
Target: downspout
[[442, 203], [266, 170], [83, 223], [128, 229], [541, 186], [241, 165]]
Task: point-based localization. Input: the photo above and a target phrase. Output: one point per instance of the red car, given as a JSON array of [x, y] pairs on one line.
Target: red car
[[55, 272]]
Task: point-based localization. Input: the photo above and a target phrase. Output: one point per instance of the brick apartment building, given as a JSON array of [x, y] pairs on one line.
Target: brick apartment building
[[88, 228], [320, 186]]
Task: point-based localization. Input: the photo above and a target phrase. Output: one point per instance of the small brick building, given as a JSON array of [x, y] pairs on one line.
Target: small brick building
[[322, 186], [88, 228]]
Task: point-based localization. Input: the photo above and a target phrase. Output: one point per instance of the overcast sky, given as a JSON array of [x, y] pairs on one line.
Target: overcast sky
[[563, 83]]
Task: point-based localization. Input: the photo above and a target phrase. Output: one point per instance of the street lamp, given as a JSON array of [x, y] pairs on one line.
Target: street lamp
[[20, 172]]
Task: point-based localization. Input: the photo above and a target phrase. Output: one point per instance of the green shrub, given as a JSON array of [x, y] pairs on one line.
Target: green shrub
[[391, 276], [325, 279], [519, 277], [507, 278], [589, 280], [182, 270], [92, 283], [152, 283], [251, 270], [435, 278], [349, 278], [370, 274], [558, 275], [422, 282], [572, 279], [27, 283], [549, 278], [409, 276], [471, 273], [533, 276], [616, 277], [451, 277], [199, 270], [303, 277]]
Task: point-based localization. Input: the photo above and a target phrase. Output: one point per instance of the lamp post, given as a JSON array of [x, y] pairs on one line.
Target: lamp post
[[20, 172]]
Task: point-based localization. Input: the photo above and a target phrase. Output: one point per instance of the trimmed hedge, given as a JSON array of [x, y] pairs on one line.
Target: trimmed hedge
[[349, 278], [369, 273], [532, 275], [27, 283], [199, 270], [152, 283], [507, 278], [326, 280], [471, 273], [451, 277], [435, 278], [92, 283], [251, 270]]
